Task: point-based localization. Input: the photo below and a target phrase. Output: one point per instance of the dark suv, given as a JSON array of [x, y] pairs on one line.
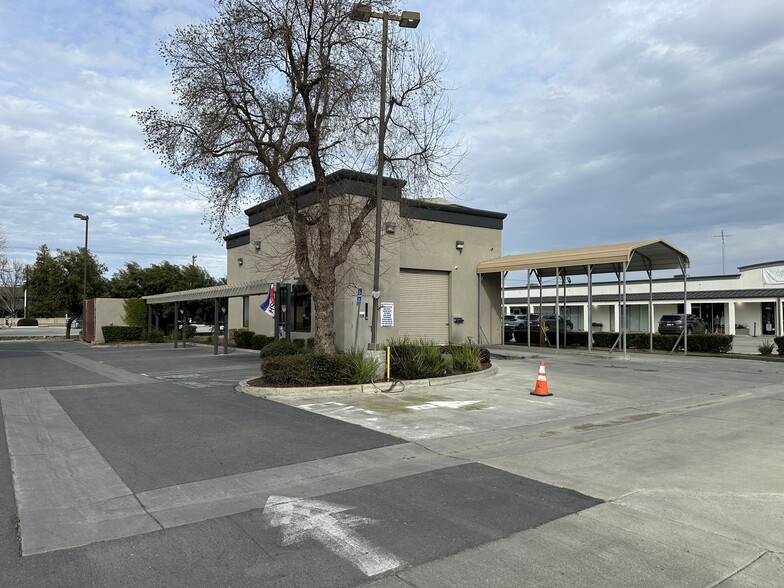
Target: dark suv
[[672, 324]]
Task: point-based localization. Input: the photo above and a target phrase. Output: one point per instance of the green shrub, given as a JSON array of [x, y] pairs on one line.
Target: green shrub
[[258, 341], [155, 336], [766, 347], [243, 338], [27, 322], [120, 333], [603, 339], [465, 358], [779, 341], [299, 343], [135, 312], [411, 360], [362, 368], [278, 348], [307, 369]]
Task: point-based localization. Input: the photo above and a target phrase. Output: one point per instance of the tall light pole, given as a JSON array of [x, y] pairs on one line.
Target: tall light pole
[[409, 20], [86, 219]]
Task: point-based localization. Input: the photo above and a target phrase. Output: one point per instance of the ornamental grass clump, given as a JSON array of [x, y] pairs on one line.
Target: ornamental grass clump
[[465, 358], [412, 360], [766, 347]]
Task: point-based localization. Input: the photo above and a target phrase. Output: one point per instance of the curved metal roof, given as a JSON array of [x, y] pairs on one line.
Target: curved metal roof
[[227, 291], [651, 255]]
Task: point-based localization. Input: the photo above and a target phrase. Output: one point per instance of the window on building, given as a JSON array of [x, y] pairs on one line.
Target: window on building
[[245, 311]]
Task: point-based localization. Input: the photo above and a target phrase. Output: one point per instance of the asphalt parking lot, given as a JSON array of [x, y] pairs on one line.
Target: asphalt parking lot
[[685, 452], [655, 470]]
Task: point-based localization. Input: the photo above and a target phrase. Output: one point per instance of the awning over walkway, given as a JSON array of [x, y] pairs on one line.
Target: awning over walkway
[[228, 291], [639, 255]]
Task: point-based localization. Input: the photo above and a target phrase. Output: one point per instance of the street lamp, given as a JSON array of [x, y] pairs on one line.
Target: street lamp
[[86, 219], [408, 20]]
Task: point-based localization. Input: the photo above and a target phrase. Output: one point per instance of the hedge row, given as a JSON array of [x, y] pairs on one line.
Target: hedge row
[[699, 343], [27, 322], [307, 369], [120, 333]]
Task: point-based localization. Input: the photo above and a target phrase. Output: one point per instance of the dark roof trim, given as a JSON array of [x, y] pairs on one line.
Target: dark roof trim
[[345, 182], [363, 184], [237, 239], [760, 265], [452, 214]]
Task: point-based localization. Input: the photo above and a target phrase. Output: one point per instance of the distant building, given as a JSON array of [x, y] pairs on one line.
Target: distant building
[[746, 303]]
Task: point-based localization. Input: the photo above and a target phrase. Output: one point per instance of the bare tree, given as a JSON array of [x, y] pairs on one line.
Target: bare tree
[[12, 276], [272, 94]]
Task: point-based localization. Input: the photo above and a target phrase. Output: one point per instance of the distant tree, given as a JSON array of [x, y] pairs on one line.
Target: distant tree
[[275, 93], [12, 276], [135, 312], [56, 283], [134, 281]]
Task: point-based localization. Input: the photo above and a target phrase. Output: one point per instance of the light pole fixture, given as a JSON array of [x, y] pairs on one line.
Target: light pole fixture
[[86, 219], [409, 20]]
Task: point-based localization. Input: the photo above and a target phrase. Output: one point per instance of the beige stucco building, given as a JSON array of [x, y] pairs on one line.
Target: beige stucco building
[[429, 285]]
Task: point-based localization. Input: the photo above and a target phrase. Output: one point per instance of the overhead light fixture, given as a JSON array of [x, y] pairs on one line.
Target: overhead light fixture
[[239, 261], [257, 245], [459, 246], [409, 19], [391, 228]]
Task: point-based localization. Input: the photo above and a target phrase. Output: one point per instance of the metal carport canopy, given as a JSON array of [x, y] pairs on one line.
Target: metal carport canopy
[[228, 291], [639, 255], [619, 259]]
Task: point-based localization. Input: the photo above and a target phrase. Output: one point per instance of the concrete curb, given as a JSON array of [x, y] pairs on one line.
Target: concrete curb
[[262, 392]]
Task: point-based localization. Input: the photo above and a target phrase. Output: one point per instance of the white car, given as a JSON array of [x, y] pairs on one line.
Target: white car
[[515, 321]]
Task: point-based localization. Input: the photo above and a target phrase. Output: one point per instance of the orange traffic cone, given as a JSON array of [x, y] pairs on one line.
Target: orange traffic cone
[[541, 382]]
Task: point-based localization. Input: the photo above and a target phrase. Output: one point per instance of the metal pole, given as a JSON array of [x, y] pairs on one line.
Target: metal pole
[[86, 225], [215, 327], [589, 269], [382, 129]]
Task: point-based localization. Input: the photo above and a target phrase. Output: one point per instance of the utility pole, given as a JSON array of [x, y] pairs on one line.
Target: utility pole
[[723, 256]]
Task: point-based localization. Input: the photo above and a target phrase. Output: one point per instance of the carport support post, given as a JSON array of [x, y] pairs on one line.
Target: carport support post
[[149, 318], [176, 318], [685, 309], [625, 315], [528, 310], [184, 325], [588, 270], [224, 317], [215, 328], [503, 307], [557, 305]]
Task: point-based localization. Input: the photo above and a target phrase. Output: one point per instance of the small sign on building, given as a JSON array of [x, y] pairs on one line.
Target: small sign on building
[[387, 314]]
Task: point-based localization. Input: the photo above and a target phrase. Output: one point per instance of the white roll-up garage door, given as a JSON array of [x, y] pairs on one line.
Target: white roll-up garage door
[[424, 305]]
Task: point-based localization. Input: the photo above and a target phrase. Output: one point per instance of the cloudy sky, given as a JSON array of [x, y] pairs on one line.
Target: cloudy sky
[[588, 122]]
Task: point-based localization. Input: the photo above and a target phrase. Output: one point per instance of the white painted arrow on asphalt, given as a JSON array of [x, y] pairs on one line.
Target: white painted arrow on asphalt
[[327, 523]]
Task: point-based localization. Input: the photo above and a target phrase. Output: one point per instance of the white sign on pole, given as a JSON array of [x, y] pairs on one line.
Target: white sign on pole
[[387, 314]]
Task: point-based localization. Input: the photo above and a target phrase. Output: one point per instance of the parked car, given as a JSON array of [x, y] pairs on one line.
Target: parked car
[[550, 321], [672, 324], [514, 321]]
